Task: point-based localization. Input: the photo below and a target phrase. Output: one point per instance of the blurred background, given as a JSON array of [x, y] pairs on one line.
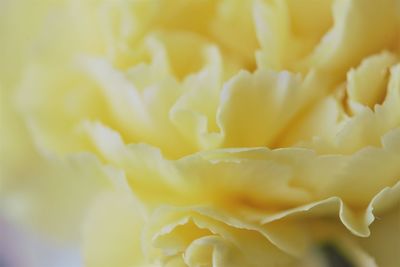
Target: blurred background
[[20, 247]]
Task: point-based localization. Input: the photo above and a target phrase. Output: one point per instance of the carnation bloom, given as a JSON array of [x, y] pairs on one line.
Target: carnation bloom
[[236, 133]]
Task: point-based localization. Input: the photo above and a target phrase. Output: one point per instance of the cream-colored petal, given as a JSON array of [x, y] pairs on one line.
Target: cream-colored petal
[[54, 193], [236, 180], [174, 261], [292, 39], [155, 100], [367, 127], [38, 108], [112, 230], [320, 176], [356, 220], [318, 125], [297, 235], [233, 28], [360, 28], [332, 246], [194, 112], [184, 62], [253, 247], [15, 143], [28, 30], [214, 251], [384, 242], [271, 22], [288, 30], [255, 109], [124, 24], [366, 84], [45, 86], [176, 226], [141, 115], [268, 179], [229, 235], [151, 176], [344, 126]]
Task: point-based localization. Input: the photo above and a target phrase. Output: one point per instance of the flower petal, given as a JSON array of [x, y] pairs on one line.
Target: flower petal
[[54, 193], [111, 235]]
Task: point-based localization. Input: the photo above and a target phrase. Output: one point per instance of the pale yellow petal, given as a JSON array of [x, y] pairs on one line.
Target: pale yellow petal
[[270, 179], [15, 143], [215, 251], [367, 83], [246, 243], [53, 102], [53, 194], [318, 125], [384, 242], [347, 121], [360, 29], [194, 112], [125, 23], [255, 109], [367, 128], [288, 30], [233, 28], [231, 180], [111, 236], [151, 176], [17, 35]]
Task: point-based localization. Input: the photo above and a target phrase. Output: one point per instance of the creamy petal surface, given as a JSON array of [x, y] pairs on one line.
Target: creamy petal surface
[[205, 133]]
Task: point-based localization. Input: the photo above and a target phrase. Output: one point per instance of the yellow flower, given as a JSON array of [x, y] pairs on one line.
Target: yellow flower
[[240, 133]]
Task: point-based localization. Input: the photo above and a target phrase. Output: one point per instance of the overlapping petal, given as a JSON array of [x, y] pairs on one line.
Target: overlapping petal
[[248, 132], [204, 234]]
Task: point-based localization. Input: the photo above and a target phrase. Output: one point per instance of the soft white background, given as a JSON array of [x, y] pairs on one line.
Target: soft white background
[[22, 248]]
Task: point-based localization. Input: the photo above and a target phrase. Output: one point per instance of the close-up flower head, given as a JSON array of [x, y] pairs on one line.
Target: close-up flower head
[[200, 133]]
